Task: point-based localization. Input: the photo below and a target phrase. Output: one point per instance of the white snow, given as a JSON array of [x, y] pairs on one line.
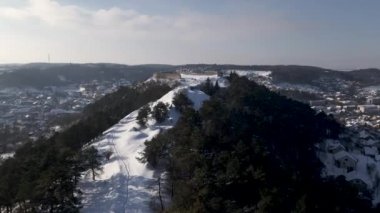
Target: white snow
[[263, 73], [197, 97], [125, 184], [6, 155], [198, 77]]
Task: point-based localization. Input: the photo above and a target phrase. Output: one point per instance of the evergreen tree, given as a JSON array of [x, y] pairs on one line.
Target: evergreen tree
[[216, 87], [143, 114], [182, 102], [92, 160], [207, 87], [160, 112]]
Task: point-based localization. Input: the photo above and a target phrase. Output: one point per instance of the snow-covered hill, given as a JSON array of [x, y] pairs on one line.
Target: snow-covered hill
[[125, 184]]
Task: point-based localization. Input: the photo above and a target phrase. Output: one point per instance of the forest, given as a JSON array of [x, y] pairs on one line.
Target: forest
[[246, 150], [249, 150], [43, 175]]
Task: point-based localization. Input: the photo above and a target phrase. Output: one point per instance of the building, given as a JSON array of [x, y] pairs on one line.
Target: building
[[373, 101], [369, 142], [370, 151], [334, 147], [344, 160], [368, 108]]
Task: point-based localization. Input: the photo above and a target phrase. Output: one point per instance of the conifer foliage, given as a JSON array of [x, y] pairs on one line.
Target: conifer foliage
[[160, 112], [182, 102], [92, 160], [143, 115], [250, 150]]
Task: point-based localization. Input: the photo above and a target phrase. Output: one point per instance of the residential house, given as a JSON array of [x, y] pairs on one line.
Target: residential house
[[370, 151], [345, 161]]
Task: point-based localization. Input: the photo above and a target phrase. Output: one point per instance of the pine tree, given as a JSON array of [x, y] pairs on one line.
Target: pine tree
[[216, 87], [160, 112], [182, 102], [143, 114], [208, 88], [92, 160]]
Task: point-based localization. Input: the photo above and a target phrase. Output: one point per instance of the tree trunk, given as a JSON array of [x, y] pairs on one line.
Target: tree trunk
[[159, 194], [23, 206], [51, 210], [172, 189], [75, 180], [93, 174]]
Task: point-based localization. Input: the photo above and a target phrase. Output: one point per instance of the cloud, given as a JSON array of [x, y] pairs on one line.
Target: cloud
[[54, 14], [119, 34]]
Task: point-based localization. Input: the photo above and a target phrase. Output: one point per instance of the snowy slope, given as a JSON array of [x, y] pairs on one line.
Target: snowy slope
[[127, 185]]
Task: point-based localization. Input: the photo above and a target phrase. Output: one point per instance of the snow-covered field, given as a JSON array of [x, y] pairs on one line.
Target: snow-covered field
[[198, 77], [125, 184]]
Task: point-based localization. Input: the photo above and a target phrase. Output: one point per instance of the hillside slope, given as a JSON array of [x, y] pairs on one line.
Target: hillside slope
[[126, 184]]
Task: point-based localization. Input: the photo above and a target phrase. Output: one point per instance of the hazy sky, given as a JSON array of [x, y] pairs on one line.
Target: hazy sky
[[331, 33]]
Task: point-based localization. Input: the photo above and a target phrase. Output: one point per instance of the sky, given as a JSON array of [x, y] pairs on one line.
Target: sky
[[339, 34]]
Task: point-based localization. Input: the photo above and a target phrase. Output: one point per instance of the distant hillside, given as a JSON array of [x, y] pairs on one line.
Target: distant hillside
[[40, 74], [366, 76], [312, 75], [297, 74]]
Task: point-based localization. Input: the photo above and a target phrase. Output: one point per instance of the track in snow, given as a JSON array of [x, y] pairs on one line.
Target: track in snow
[[123, 165]]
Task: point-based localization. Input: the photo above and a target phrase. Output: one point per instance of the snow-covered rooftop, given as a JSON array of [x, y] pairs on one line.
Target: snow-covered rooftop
[[342, 154]]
